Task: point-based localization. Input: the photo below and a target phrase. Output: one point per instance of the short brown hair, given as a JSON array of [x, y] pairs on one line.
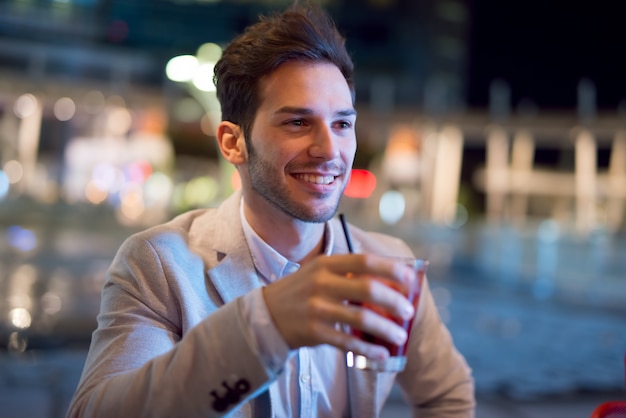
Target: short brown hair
[[300, 33]]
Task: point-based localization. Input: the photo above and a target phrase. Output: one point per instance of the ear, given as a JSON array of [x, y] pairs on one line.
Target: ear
[[232, 143]]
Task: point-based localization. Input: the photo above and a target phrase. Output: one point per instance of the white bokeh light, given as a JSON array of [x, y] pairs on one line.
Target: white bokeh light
[[182, 68], [391, 207], [64, 109], [25, 106]]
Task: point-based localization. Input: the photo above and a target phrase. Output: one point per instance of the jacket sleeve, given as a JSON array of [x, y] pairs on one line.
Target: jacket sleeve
[[437, 381], [143, 363]]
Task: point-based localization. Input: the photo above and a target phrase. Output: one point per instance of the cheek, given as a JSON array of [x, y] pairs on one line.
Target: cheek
[[280, 158], [349, 151]]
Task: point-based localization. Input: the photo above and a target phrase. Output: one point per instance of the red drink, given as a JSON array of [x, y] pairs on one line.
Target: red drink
[[396, 352]]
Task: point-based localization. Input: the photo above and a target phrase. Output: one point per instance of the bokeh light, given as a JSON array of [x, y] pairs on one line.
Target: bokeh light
[[120, 121], [21, 239], [158, 189], [203, 79], [181, 68], [51, 303], [64, 109], [20, 318], [391, 207], [132, 206], [94, 193], [14, 171], [107, 177], [25, 105], [361, 185], [201, 191], [209, 52], [139, 171], [94, 102], [17, 342], [459, 218]]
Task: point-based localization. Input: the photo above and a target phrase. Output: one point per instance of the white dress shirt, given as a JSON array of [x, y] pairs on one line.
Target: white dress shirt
[[313, 381]]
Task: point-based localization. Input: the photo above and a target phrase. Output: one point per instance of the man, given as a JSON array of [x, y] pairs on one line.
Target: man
[[238, 310]]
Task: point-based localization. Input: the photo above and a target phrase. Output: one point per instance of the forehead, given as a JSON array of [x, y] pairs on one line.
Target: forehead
[[305, 84]]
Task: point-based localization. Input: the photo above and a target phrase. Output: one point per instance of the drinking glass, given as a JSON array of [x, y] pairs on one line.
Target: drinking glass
[[397, 353]]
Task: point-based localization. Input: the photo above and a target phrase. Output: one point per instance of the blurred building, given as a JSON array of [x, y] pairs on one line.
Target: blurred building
[[82, 81], [407, 53]]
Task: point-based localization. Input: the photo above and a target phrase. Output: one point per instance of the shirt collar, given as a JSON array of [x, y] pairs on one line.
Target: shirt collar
[[270, 263]]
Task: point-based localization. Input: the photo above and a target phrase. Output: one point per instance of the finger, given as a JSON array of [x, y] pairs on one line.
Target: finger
[[396, 269], [347, 342], [388, 295], [374, 320], [363, 289]]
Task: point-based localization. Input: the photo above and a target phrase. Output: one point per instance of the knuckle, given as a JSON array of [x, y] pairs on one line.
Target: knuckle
[[370, 286], [316, 307], [319, 284], [359, 315], [364, 261]]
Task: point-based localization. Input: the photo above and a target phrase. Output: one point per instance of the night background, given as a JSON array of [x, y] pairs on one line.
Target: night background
[[527, 266], [543, 48]]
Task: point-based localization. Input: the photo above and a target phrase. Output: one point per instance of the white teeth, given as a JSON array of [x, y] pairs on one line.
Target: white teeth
[[311, 178]]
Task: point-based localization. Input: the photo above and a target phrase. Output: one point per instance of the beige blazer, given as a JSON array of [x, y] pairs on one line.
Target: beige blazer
[[171, 339]]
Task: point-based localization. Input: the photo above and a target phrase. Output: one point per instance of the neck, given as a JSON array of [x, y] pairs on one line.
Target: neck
[[296, 240]]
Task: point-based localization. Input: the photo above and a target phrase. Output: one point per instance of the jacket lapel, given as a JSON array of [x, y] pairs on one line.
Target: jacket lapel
[[230, 268], [234, 277]]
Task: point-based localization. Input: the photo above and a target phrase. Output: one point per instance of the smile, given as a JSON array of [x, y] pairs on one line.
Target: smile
[[312, 178]]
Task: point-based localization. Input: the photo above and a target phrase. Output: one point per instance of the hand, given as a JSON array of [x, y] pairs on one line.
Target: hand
[[307, 305]]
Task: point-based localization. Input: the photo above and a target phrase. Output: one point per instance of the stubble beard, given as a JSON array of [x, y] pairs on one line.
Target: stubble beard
[[264, 180]]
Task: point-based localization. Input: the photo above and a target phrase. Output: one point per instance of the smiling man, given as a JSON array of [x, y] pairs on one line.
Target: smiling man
[[296, 160], [239, 310]]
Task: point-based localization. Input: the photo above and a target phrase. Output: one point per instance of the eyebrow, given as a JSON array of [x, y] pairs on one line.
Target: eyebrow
[[306, 111]]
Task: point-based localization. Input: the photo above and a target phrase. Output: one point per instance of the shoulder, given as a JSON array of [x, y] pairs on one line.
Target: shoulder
[[181, 226], [173, 236]]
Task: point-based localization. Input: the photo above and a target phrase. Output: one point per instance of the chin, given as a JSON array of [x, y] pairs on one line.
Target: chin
[[318, 216]]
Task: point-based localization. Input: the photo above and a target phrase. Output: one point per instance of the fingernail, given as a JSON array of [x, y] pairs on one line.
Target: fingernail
[[400, 336], [408, 312]]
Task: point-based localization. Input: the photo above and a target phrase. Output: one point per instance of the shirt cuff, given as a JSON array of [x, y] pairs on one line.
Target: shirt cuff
[[269, 343]]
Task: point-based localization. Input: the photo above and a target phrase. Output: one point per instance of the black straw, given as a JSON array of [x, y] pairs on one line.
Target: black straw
[[346, 233]]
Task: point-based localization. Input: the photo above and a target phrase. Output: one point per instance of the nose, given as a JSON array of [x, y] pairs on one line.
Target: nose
[[325, 144]]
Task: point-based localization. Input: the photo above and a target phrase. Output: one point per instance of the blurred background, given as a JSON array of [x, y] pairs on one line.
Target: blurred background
[[492, 138]]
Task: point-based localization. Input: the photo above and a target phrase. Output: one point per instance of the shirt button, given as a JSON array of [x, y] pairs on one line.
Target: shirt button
[[305, 378]]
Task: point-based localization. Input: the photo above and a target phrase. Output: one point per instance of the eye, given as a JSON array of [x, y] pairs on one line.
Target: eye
[[343, 124], [295, 122]]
